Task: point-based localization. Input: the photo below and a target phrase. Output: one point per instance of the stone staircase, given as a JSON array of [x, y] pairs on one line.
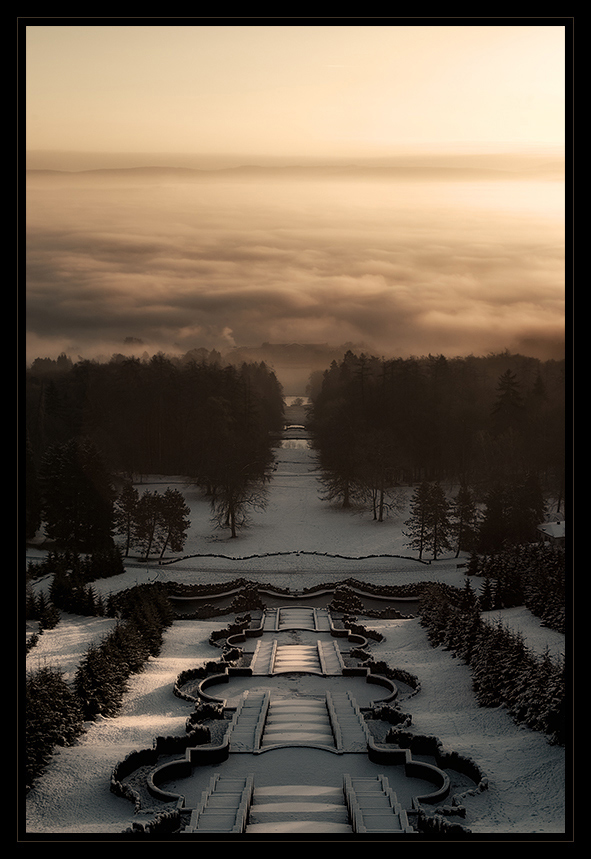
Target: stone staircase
[[373, 806], [360, 805], [291, 721], [297, 657], [324, 657], [248, 722], [348, 724], [331, 660], [298, 808], [264, 657], [322, 620], [296, 617], [224, 806], [334, 721]]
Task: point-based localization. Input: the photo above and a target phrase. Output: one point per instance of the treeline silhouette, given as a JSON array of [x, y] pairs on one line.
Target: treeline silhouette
[[481, 422], [149, 416], [210, 423]]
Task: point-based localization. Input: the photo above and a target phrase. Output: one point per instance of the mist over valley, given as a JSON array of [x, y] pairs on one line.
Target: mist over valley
[[399, 259]]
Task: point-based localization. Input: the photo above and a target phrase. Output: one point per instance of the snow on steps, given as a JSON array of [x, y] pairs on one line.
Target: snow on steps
[[298, 808], [334, 722], [249, 722], [298, 658], [373, 806], [298, 722], [224, 806], [298, 617], [361, 805], [324, 657], [349, 727]]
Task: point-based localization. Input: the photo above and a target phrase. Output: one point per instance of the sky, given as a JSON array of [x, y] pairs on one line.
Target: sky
[[407, 264]]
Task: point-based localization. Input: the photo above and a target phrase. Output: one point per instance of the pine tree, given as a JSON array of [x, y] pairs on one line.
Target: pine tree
[[439, 521], [125, 513], [507, 413], [47, 614], [486, 595], [100, 682], [77, 496], [526, 509], [429, 525], [53, 717], [494, 527], [33, 504], [465, 520], [418, 524], [174, 520], [146, 523]]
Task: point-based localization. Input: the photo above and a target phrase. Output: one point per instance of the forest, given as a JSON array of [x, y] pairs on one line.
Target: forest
[[93, 427], [492, 427]]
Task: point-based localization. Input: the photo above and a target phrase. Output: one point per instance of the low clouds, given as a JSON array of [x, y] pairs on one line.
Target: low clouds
[[393, 266]]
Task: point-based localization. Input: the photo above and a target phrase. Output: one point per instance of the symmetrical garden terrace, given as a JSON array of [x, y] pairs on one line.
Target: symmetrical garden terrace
[[295, 728]]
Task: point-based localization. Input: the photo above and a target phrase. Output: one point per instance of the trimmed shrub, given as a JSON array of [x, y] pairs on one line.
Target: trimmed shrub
[[504, 672], [53, 717]]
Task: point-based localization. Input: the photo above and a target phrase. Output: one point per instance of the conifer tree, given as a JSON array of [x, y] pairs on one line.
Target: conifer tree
[[77, 496], [125, 513], [174, 520], [465, 520], [418, 524], [33, 503], [507, 413], [486, 595], [47, 614], [494, 527], [53, 717], [439, 521], [429, 525], [146, 522]]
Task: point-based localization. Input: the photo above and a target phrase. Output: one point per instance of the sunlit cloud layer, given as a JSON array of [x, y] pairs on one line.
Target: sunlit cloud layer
[[399, 268], [403, 264]]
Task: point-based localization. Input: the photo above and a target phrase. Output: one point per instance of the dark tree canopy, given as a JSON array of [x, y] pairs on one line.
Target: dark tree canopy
[[213, 424], [77, 496], [478, 423], [469, 420]]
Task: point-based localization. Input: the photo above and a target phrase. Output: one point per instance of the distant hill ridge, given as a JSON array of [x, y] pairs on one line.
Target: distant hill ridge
[[411, 168]]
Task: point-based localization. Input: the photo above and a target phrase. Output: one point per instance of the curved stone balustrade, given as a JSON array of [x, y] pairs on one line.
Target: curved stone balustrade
[[262, 725]]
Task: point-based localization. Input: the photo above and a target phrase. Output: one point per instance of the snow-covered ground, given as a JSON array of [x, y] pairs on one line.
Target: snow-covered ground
[[298, 541]]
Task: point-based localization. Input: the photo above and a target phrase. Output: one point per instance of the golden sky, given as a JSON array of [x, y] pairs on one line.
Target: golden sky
[[293, 90], [409, 260]]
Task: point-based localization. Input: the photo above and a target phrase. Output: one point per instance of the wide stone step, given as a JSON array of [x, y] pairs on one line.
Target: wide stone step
[[248, 725], [373, 806], [288, 710], [295, 657], [299, 826], [315, 724], [311, 737], [279, 791], [298, 808], [296, 618], [223, 806], [290, 721], [297, 812]]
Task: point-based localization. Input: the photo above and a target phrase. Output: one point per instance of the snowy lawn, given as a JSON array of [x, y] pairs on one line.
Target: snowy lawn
[[292, 544]]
